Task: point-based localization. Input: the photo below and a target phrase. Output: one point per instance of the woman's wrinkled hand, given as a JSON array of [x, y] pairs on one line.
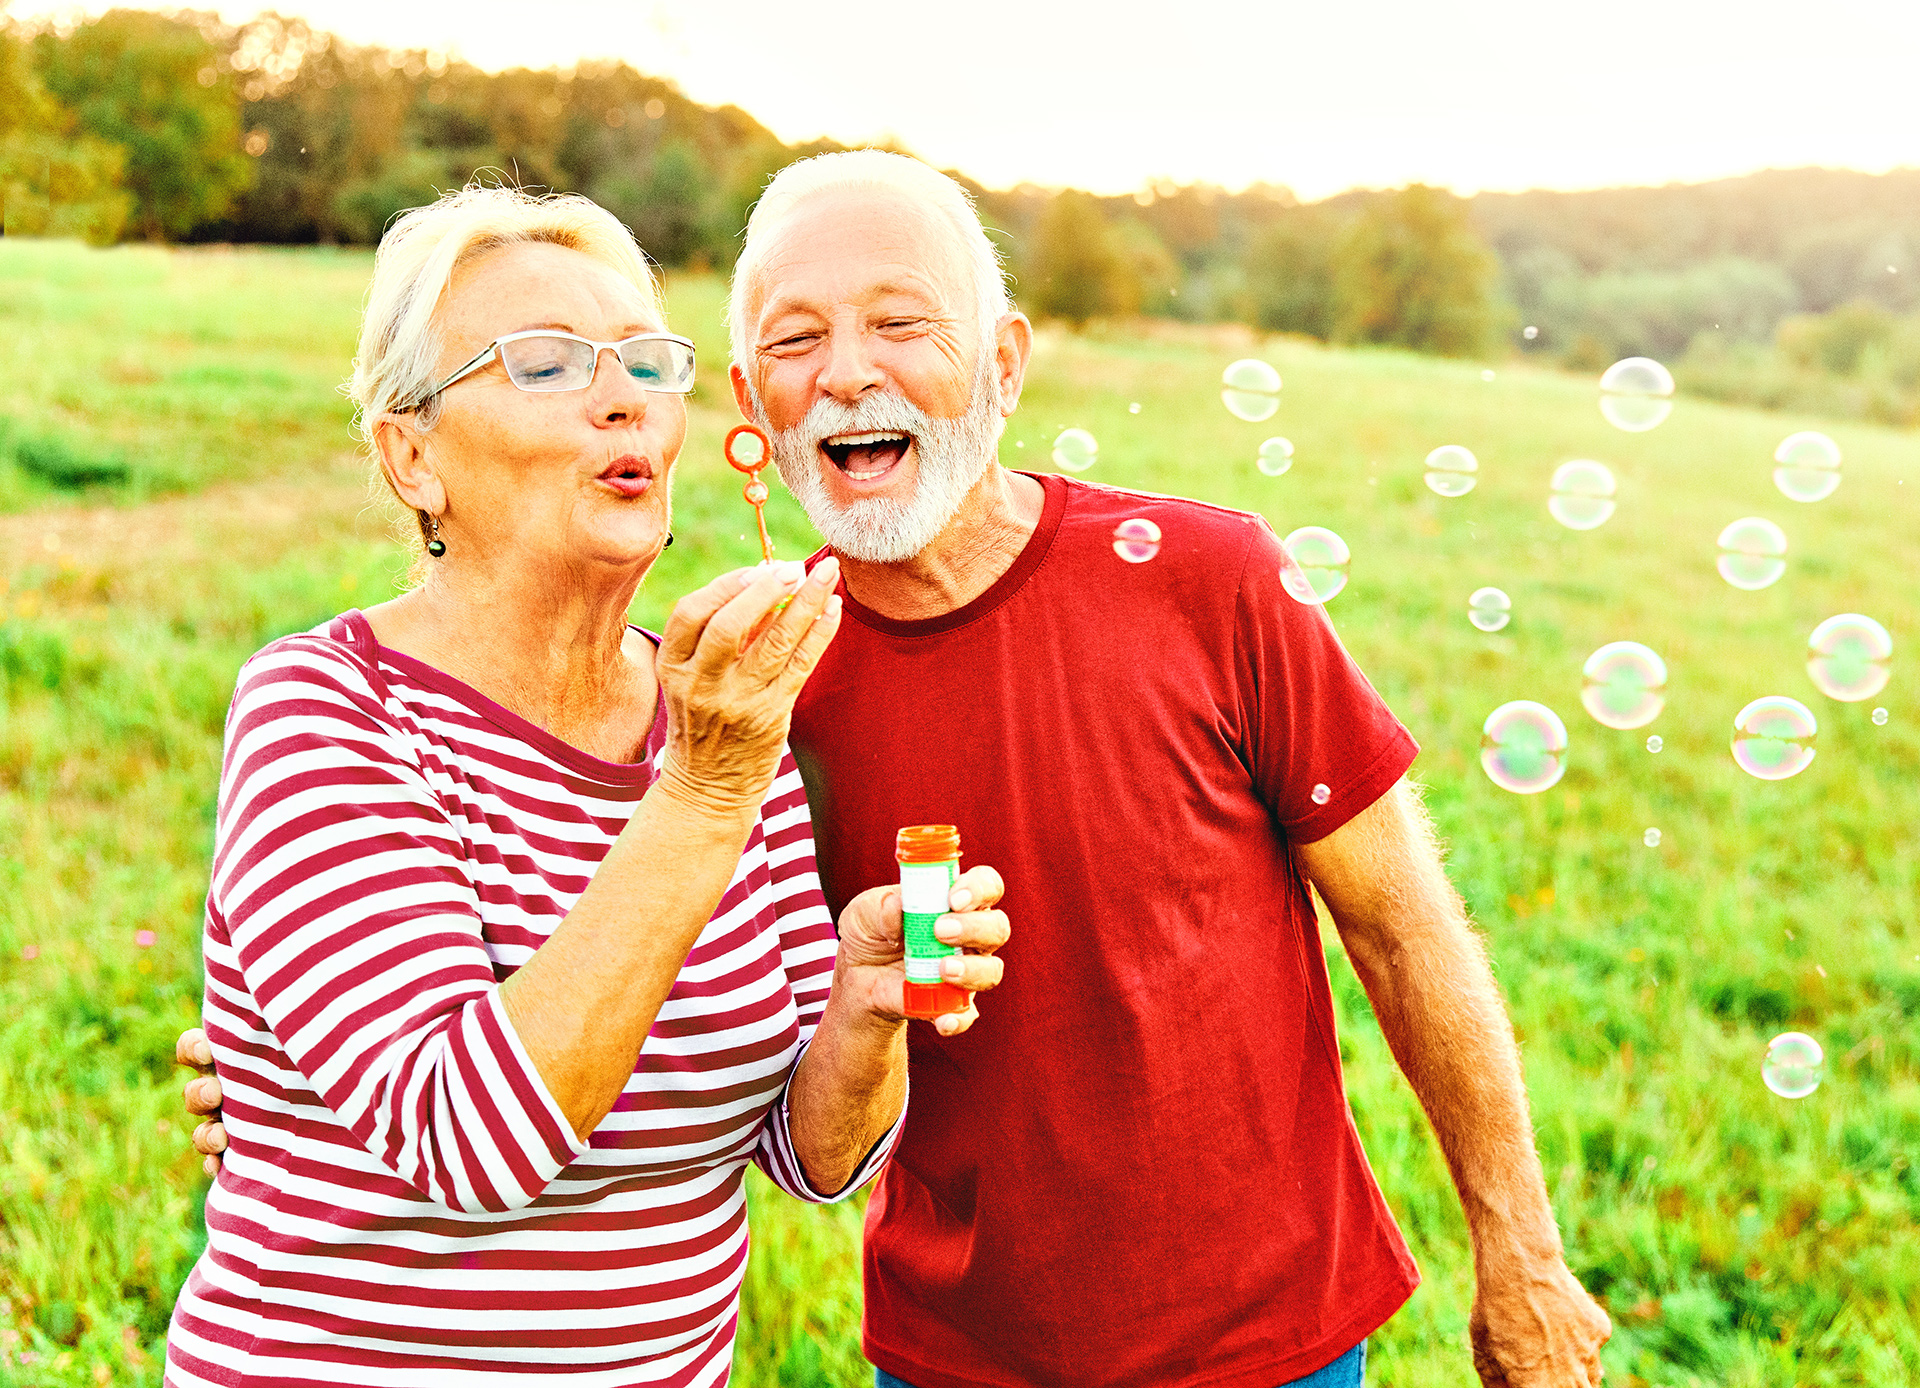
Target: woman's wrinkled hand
[[870, 971], [202, 1095], [731, 663]]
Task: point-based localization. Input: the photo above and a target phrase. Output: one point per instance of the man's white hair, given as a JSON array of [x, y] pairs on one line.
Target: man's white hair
[[866, 170]]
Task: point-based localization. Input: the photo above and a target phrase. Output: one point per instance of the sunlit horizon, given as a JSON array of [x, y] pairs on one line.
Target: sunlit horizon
[[1506, 97]]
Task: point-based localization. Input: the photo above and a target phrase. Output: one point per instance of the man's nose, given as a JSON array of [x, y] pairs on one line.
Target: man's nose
[[618, 397], [851, 370]]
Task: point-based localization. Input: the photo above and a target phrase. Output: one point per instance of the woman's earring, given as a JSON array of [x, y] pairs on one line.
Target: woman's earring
[[435, 545]]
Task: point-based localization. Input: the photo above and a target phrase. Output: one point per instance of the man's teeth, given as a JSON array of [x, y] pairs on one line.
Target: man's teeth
[[857, 440], [865, 476]]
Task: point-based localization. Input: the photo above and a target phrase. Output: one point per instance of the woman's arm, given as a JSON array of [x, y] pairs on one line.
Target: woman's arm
[[586, 1000]]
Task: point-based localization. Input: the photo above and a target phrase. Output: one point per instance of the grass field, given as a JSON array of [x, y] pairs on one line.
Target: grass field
[[1738, 1238]]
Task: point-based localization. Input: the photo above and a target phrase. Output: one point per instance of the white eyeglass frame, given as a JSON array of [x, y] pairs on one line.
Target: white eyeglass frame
[[491, 352]]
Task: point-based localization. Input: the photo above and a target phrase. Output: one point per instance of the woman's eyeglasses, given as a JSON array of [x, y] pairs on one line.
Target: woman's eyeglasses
[[549, 361]]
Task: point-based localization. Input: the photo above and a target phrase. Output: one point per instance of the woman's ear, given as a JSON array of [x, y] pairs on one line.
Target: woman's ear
[[402, 451]]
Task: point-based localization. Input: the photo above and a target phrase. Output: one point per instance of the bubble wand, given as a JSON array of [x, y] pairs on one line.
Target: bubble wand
[[750, 457]]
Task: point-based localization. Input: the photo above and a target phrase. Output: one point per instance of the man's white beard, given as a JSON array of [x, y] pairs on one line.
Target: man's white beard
[[953, 455]]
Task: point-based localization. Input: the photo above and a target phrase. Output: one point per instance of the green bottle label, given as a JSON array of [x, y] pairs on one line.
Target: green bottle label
[[923, 900]]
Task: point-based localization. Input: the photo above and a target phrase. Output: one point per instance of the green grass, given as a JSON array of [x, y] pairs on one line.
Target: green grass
[[1738, 1238]]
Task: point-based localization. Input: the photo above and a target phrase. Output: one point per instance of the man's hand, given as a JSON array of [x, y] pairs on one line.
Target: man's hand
[[871, 972], [202, 1095], [1535, 1328]]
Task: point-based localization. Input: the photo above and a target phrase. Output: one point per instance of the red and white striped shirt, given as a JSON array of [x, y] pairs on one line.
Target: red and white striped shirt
[[402, 1201]]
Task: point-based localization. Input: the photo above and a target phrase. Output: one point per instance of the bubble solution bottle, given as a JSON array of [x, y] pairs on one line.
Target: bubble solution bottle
[[929, 857]]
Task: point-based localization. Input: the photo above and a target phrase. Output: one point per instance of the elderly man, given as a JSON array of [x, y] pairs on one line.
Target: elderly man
[[1144, 1173]]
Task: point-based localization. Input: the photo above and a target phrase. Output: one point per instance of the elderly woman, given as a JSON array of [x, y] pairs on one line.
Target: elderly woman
[[515, 951]]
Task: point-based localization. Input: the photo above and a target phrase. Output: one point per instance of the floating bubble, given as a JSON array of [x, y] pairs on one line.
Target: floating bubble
[[1137, 540], [1523, 747], [1582, 494], [1250, 389], [1847, 657], [1313, 568], [1451, 469], [1529, 332], [1321, 795], [1809, 466], [1654, 743], [1879, 718], [1753, 553], [1134, 408], [1489, 609], [1651, 838], [1275, 457], [1773, 737], [1076, 450], [1636, 394], [1624, 685], [1487, 375], [1792, 1068]]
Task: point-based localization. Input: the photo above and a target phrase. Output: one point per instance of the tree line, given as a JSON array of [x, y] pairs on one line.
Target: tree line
[[180, 127]]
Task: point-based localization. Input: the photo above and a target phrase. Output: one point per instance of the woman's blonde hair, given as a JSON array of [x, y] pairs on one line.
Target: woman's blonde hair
[[398, 358]]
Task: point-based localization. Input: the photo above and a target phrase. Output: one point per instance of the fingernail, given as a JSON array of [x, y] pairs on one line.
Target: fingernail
[[826, 571], [748, 575], [834, 605], [790, 571], [946, 928], [952, 970], [203, 1053], [961, 898]]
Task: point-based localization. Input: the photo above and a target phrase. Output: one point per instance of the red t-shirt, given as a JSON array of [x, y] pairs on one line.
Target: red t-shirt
[[1138, 1168]]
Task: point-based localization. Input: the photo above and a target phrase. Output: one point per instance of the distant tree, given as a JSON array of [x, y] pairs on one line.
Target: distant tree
[[53, 180], [670, 204], [1290, 273], [1076, 269], [1410, 271], [151, 84]]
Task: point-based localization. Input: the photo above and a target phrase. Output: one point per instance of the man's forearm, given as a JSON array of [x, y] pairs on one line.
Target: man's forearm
[[849, 1089]]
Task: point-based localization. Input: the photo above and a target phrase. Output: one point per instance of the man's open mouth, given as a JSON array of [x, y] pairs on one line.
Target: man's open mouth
[[865, 457]]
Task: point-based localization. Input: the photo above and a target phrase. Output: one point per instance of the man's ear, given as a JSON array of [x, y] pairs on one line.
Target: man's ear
[[742, 396], [402, 451], [1013, 345]]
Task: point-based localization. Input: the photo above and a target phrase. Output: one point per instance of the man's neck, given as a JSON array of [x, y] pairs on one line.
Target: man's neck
[[980, 543]]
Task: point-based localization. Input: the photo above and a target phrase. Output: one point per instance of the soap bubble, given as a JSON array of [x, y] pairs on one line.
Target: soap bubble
[[1809, 466], [1136, 541], [1636, 394], [1654, 743], [1651, 838], [1625, 685], [1275, 457], [1321, 795], [1489, 609], [1134, 408], [1250, 389], [1792, 1068], [1487, 375], [1773, 737], [1315, 567], [1523, 747], [1076, 450], [1451, 469], [1582, 494], [1879, 718], [1753, 553], [1847, 657], [1529, 332]]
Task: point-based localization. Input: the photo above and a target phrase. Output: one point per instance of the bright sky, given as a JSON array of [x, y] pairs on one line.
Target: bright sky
[[1470, 94]]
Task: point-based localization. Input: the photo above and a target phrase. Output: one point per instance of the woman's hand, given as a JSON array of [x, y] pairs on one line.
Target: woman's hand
[[202, 1095], [870, 972], [731, 664]]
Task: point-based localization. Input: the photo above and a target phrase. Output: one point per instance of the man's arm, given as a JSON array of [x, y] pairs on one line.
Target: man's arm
[[1426, 973]]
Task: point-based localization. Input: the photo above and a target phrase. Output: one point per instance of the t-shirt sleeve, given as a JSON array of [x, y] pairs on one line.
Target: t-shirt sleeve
[[342, 887], [1311, 722], [808, 946]]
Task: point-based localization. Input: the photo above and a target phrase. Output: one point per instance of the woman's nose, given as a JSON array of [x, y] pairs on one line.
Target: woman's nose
[[618, 397]]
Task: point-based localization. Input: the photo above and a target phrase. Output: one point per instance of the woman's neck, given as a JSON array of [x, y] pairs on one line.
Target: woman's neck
[[555, 649]]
